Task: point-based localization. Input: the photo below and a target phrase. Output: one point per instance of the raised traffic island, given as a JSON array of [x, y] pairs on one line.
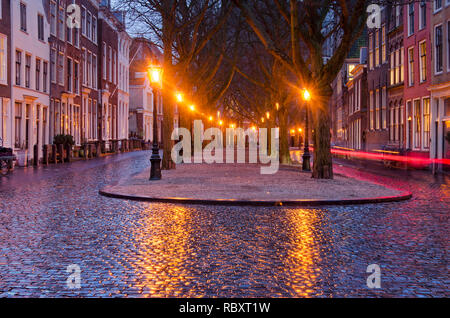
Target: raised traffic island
[[243, 184]]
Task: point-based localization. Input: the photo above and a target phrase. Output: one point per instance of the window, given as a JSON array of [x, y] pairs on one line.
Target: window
[[61, 69], [110, 64], [44, 77], [383, 45], [76, 37], [40, 24], [89, 69], [88, 25], [27, 70], [94, 71], [3, 59], [391, 123], [437, 5], [423, 61], [69, 75], [417, 124], [398, 11], [398, 63], [402, 57], [84, 61], [423, 15], [17, 124], [38, 74], [94, 29], [370, 51], [104, 61], [53, 65], [448, 44], [411, 18], [76, 79], [426, 123], [383, 108], [377, 48], [114, 69], [23, 17], [371, 110], [83, 20], [377, 109], [392, 68], [53, 18], [411, 66], [18, 67], [438, 48], [61, 20]]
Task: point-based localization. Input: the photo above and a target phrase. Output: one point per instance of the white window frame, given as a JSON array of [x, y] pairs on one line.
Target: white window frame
[[435, 50], [53, 18], [411, 72], [421, 80], [4, 60], [83, 20], [421, 18], [60, 55], [409, 20], [94, 29], [435, 9]]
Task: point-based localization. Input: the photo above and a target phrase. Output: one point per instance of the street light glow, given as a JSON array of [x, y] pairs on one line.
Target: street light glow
[[306, 95], [220, 123], [179, 97], [192, 107], [155, 74], [268, 115], [210, 118], [277, 105]]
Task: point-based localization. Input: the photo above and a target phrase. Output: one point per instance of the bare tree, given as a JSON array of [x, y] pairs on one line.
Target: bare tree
[[312, 23], [183, 30]]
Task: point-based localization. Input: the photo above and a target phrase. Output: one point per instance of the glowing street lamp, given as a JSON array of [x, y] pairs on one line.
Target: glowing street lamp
[[220, 123], [268, 115], [277, 106], [192, 107], [155, 75], [210, 118], [306, 165], [262, 119], [179, 97]]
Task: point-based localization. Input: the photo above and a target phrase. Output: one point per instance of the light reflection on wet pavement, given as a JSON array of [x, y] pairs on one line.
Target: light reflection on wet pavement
[[52, 217]]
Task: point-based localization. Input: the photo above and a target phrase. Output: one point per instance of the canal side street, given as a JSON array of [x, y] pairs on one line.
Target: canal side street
[[52, 217]]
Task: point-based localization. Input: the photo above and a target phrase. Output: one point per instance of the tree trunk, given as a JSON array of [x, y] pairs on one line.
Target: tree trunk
[[167, 162], [322, 161], [285, 155], [168, 98]]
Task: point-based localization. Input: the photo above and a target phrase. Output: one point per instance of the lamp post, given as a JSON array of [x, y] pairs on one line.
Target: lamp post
[[155, 74], [306, 158]]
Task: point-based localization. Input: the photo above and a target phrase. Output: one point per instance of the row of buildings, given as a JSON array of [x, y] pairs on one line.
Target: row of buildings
[[65, 69], [393, 92]]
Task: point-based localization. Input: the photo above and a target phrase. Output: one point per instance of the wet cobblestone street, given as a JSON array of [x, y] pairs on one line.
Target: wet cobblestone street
[[52, 217]]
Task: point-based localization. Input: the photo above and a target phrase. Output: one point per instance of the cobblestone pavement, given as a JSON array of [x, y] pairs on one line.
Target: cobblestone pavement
[[53, 217]]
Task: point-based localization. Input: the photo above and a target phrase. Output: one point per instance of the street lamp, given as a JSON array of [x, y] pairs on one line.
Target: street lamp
[[155, 75], [306, 158], [179, 97]]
